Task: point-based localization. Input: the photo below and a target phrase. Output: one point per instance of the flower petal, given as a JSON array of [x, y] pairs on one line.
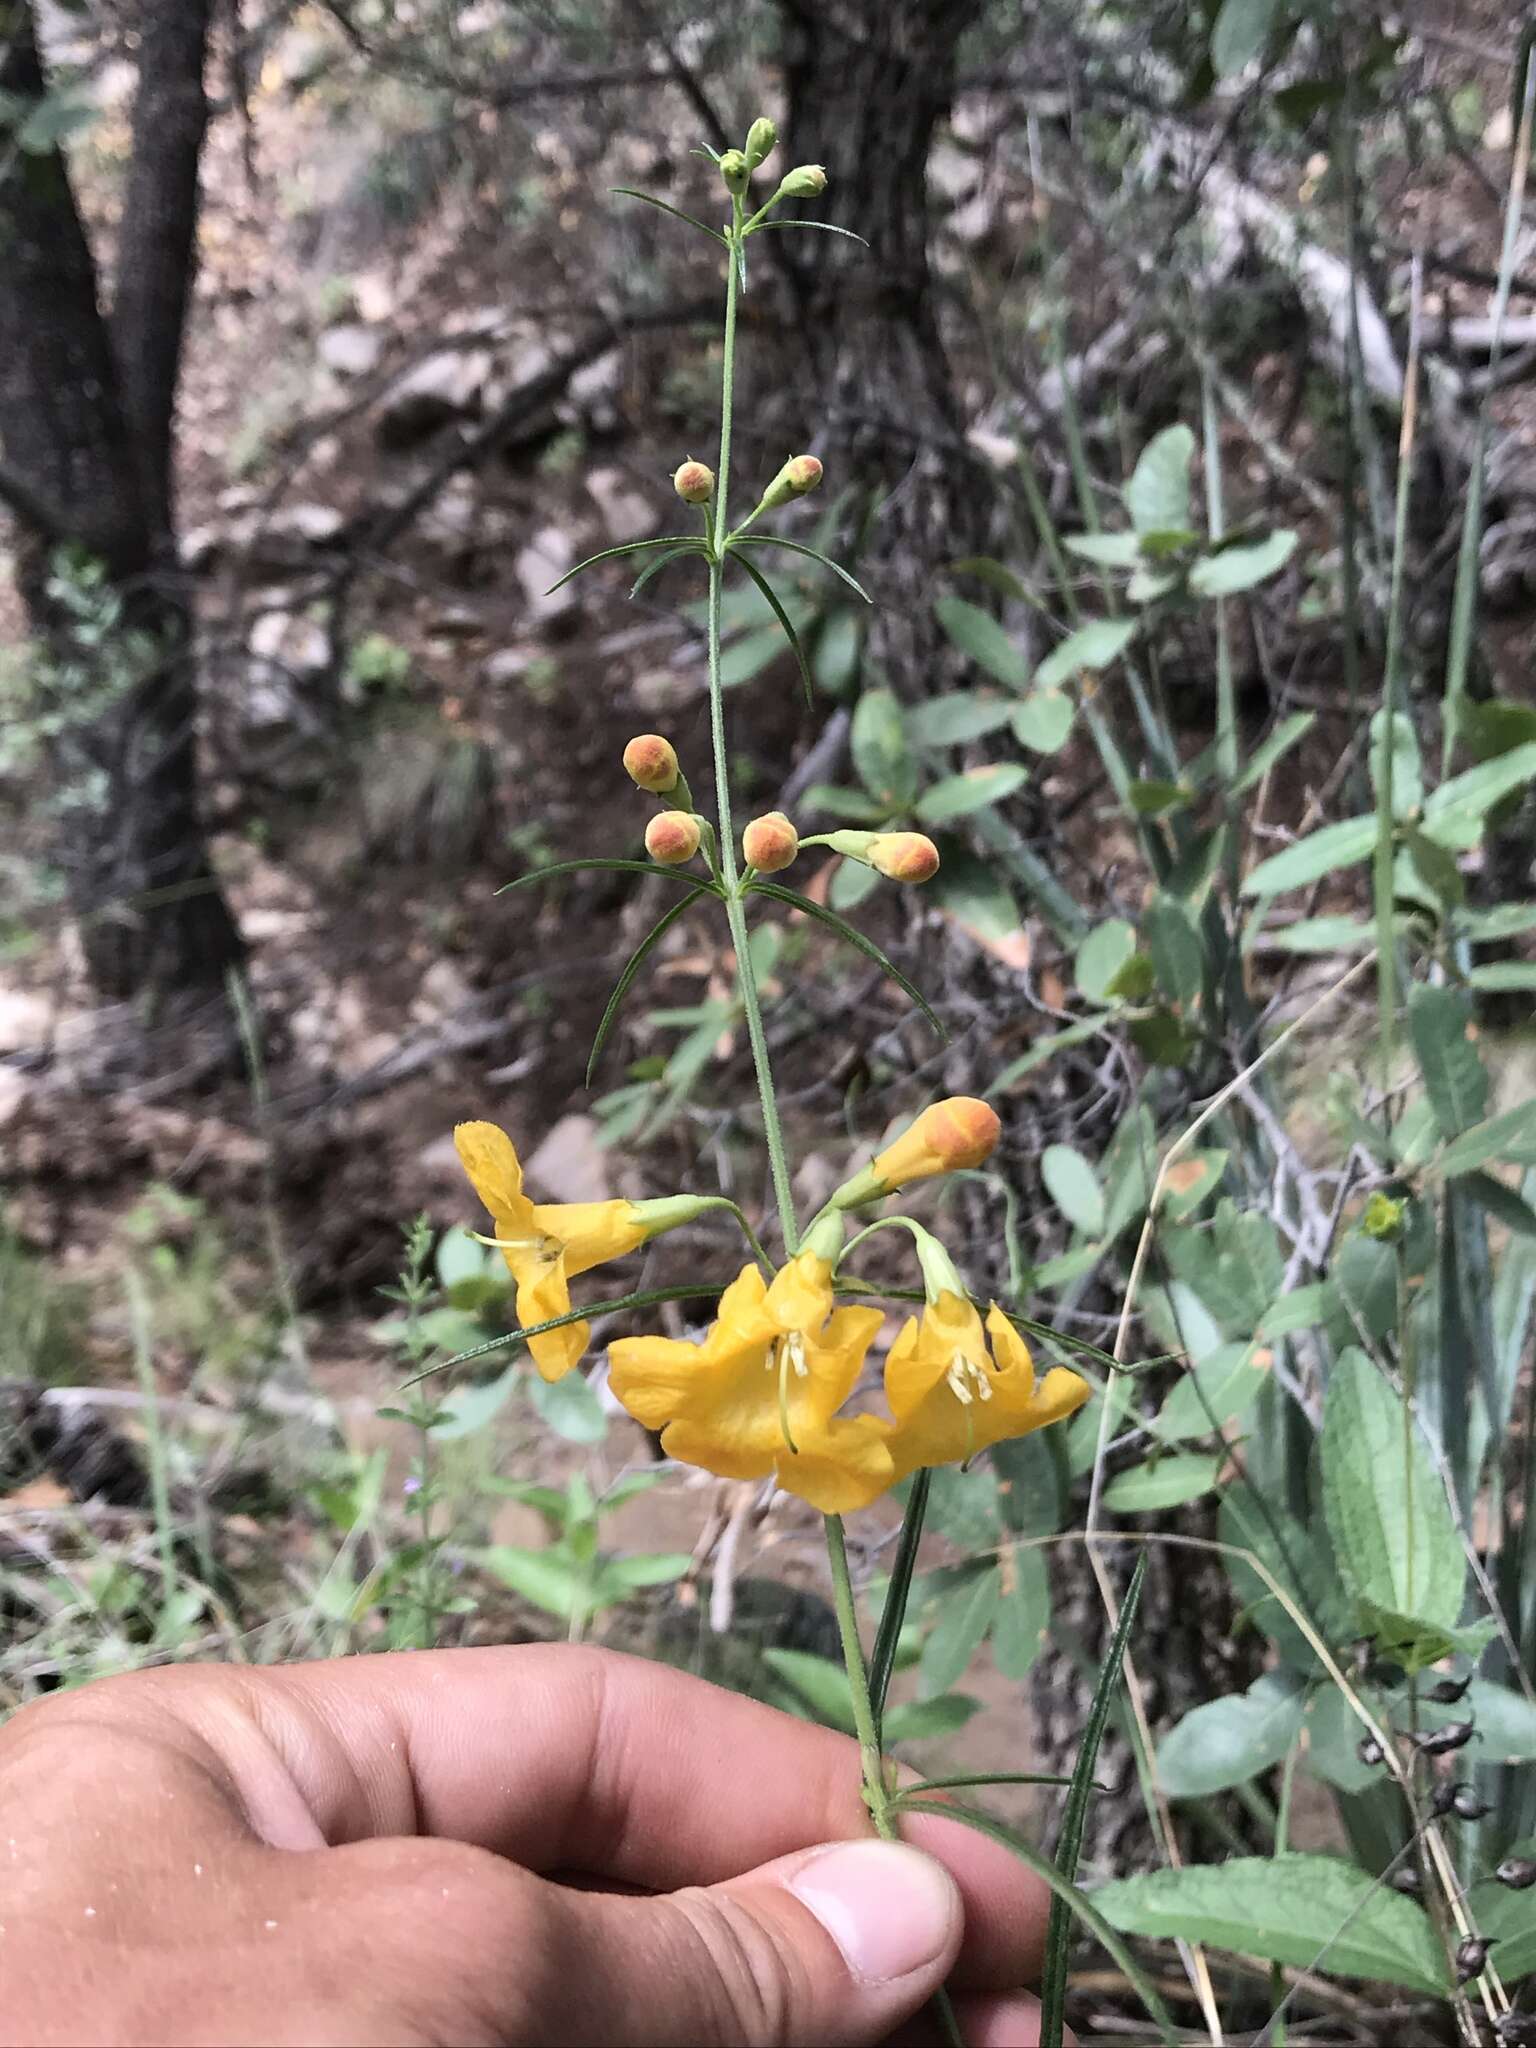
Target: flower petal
[[699, 1443], [1008, 1346], [801, 1295], [541, 1294], [489, 1157], [926, 1349], [651, 1376], [590, 1233], [841, 1465]]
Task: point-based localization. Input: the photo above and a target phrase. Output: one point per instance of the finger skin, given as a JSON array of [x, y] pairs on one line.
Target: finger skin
[[562, 1759]]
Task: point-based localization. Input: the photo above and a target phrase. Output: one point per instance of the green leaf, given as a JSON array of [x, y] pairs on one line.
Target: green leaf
[[1435, 868], [1506, 1136], [1178, 957], [1505, 1721], [629, 192], [1333, 1743], [470, 1408], [956, 796], [1295, 1558], [570, 1408], [1073, 1186], [1023, 1619], [996, 575], [1157, 496], [1504, 921], [632, 967], [1321, 853], [1043, 721], [1391, 1525], [1314, 1912], [1228, 1741], [1240, 568], [975, 895], [1069, 1846], [954, 720], [627, 547], [771, 599], [1042, 1050], [622, 1575], [978, 636], [1187, 1184], [1454, 1076], [797, 547], [1093, 646], [1502, 977], [1507, 1918], [1167, 1483], [622, 867], [1108, 550], [964, 1618], [1150, 797], [1473, 793], [881, 755], [1407, 764], [1280, 742], [655, 566], [1242, 29], [921, 1720], [854, 938], [1223, 1385], [1322, 935], [1502, 1203], [882, 1658], [551, 1578], [822, 1684], [1101, 956], [853, 804]]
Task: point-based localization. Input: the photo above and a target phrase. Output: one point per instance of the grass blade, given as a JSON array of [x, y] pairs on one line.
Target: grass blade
[[1065, 1895], [632, 967], [1053, 1987], [856, 939], [882, 1659], [771, 599]]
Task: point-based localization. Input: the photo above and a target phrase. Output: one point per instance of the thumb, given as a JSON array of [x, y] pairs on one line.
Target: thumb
[[836, 1945]]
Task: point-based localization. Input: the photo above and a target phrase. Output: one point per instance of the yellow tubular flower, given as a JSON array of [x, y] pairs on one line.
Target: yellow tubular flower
[[952, 1396], [545, 1244], [760, 1393]]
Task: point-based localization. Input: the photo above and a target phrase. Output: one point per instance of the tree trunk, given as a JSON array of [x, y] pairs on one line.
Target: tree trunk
[[86, 427], [869, 81]]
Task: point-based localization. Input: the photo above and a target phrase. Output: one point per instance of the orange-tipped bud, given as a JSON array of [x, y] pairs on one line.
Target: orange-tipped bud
[[904, 856], [800, 474], [672, 837], [770, 843], [650, 762], [961, 1131], [694, 482]]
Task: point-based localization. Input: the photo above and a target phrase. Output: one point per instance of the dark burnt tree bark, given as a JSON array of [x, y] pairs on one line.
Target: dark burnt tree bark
[[869, 82], [87, 407]]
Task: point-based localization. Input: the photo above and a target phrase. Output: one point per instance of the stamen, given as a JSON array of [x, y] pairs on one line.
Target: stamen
[[967, 1380], [786, 1359]]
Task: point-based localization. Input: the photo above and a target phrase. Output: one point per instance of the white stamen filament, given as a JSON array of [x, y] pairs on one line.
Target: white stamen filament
[[967, 1380]]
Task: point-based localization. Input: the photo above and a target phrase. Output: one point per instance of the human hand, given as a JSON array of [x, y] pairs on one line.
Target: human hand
[[535, 1845]]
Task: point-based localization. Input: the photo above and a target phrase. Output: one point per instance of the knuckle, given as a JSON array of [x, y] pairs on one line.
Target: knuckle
[[752, 1982]]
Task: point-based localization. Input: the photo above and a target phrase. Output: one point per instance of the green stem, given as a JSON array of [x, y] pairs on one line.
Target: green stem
[[875, 1791], [729, 875]]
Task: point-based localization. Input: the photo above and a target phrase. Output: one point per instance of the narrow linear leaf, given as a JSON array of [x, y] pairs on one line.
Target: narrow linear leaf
[[1069, 1845], [797, 547], [647, 1298], [854, 938], [622, 867], [825, 227], [1342, 845], [1506, 1136], [771, 599], [714, 234], [1502, 1203], [882, 1660], [978, 635], [1281, 740], [655, 566], [632, 967], [628, 547]]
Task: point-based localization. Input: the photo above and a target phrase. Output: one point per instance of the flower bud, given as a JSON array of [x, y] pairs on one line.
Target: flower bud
[[650, 762], [770, 843], [672, 837], [694, 482], [761, 138], [800, 474], [904, 856], [1384, 1218], [961, 1131], [805, 181], [735, 170]]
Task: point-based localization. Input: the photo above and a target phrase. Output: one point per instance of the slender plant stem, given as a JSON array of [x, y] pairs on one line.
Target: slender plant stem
[[858, 1681], [730, 877]]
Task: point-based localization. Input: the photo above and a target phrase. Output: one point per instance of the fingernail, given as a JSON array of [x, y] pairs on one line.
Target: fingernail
[[890, 1909]]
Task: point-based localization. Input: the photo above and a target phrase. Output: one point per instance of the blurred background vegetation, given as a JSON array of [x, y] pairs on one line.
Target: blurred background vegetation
[[1179, 419]]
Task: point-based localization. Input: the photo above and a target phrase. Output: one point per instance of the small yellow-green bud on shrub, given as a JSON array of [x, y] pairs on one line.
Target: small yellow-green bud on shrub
[[735, 170], [761, 137], [650, 762], [1384, 1218], [770, 843], [672, 837], [694, 482], [805, 181]]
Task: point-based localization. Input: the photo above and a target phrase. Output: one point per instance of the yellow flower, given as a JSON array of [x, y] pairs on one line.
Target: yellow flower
[[951, 1396], [961, 1131], [760, 1393], [545, 1244]]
